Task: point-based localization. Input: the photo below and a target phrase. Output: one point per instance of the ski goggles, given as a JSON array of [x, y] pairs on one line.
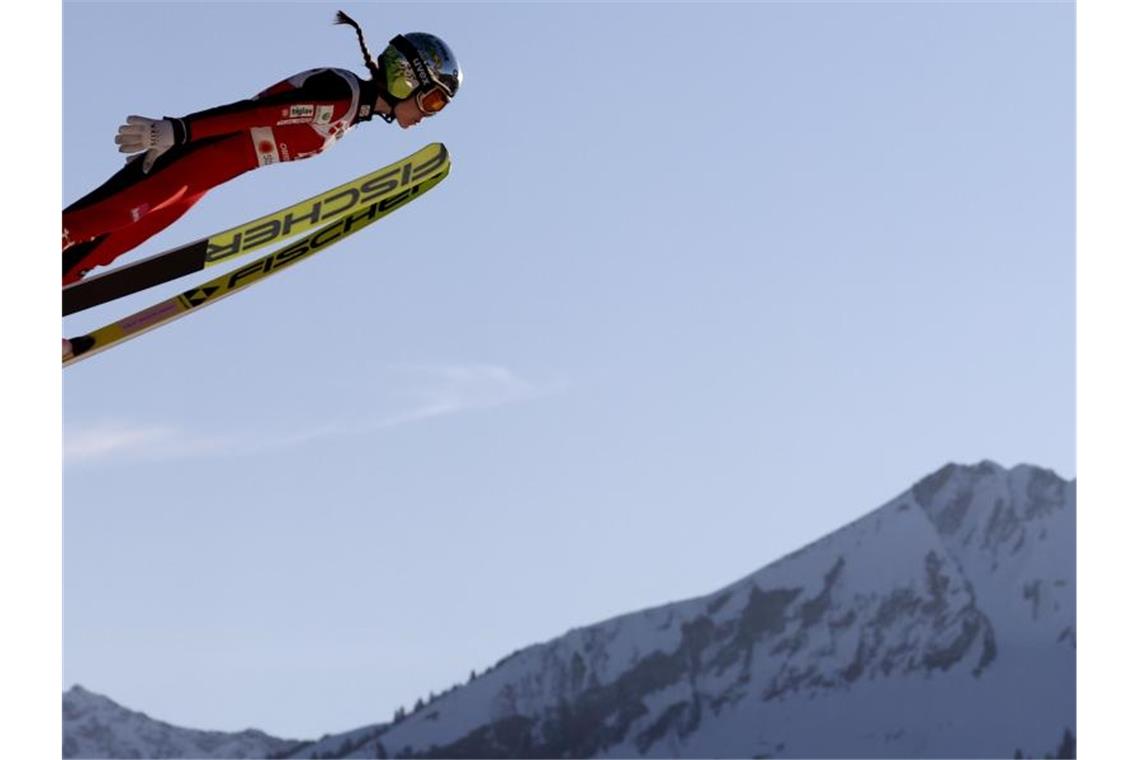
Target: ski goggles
[[432, 99]]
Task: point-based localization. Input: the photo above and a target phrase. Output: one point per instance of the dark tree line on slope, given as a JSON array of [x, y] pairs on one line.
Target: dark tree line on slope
[[1066, 750], [420, 704]]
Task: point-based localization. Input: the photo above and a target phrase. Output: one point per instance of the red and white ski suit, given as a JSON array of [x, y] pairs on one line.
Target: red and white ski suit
[[293, 119]]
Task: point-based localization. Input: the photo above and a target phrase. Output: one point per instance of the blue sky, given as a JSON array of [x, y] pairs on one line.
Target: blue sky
[[705, 283]]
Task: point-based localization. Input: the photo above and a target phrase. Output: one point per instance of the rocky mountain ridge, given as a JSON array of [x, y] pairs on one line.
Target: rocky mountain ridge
[[940, 624]]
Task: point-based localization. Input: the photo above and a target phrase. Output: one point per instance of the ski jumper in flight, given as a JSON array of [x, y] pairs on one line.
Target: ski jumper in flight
[[178, 160]]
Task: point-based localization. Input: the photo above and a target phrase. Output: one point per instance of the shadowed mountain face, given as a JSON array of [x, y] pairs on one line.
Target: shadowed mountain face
[[940, 625]]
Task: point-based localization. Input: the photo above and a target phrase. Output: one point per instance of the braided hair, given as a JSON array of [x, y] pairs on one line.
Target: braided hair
[[344, 18]]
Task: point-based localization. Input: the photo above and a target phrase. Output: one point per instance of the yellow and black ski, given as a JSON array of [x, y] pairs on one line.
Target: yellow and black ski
[[423, 178], [362, 192]]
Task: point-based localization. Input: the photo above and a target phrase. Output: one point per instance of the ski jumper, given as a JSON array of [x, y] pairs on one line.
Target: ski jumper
[[293, 119]]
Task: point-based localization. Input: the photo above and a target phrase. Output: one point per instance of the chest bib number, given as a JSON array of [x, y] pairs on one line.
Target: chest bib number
[[265, 146]]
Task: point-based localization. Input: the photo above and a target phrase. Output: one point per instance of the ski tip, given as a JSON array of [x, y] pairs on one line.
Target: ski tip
[[73, 348], [439, 147]]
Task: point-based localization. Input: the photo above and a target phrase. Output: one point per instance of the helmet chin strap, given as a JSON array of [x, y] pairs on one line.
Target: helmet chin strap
[[391, 102]]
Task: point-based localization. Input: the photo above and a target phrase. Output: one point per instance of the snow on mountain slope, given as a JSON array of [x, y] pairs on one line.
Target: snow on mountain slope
[[94, 726], [941, 624]]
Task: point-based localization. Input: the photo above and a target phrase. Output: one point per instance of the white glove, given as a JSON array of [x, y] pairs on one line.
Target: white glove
[[155, 136]]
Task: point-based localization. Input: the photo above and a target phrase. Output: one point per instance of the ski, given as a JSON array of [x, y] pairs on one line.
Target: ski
[[214, 290], [359, 193]]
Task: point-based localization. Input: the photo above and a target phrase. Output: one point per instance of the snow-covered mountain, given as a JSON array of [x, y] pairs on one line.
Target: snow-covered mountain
[[94, 726], [942, 624]]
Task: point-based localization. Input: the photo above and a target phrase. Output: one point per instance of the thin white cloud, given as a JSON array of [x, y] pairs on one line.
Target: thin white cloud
[[429, 392], [111, 440], [450, 389]]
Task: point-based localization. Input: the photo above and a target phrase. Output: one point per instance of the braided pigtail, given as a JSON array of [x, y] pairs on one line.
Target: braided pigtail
[[344, 18]]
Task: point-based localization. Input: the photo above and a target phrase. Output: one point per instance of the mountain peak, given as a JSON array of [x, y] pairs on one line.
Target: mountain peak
[[962, 500], [96, 726]]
